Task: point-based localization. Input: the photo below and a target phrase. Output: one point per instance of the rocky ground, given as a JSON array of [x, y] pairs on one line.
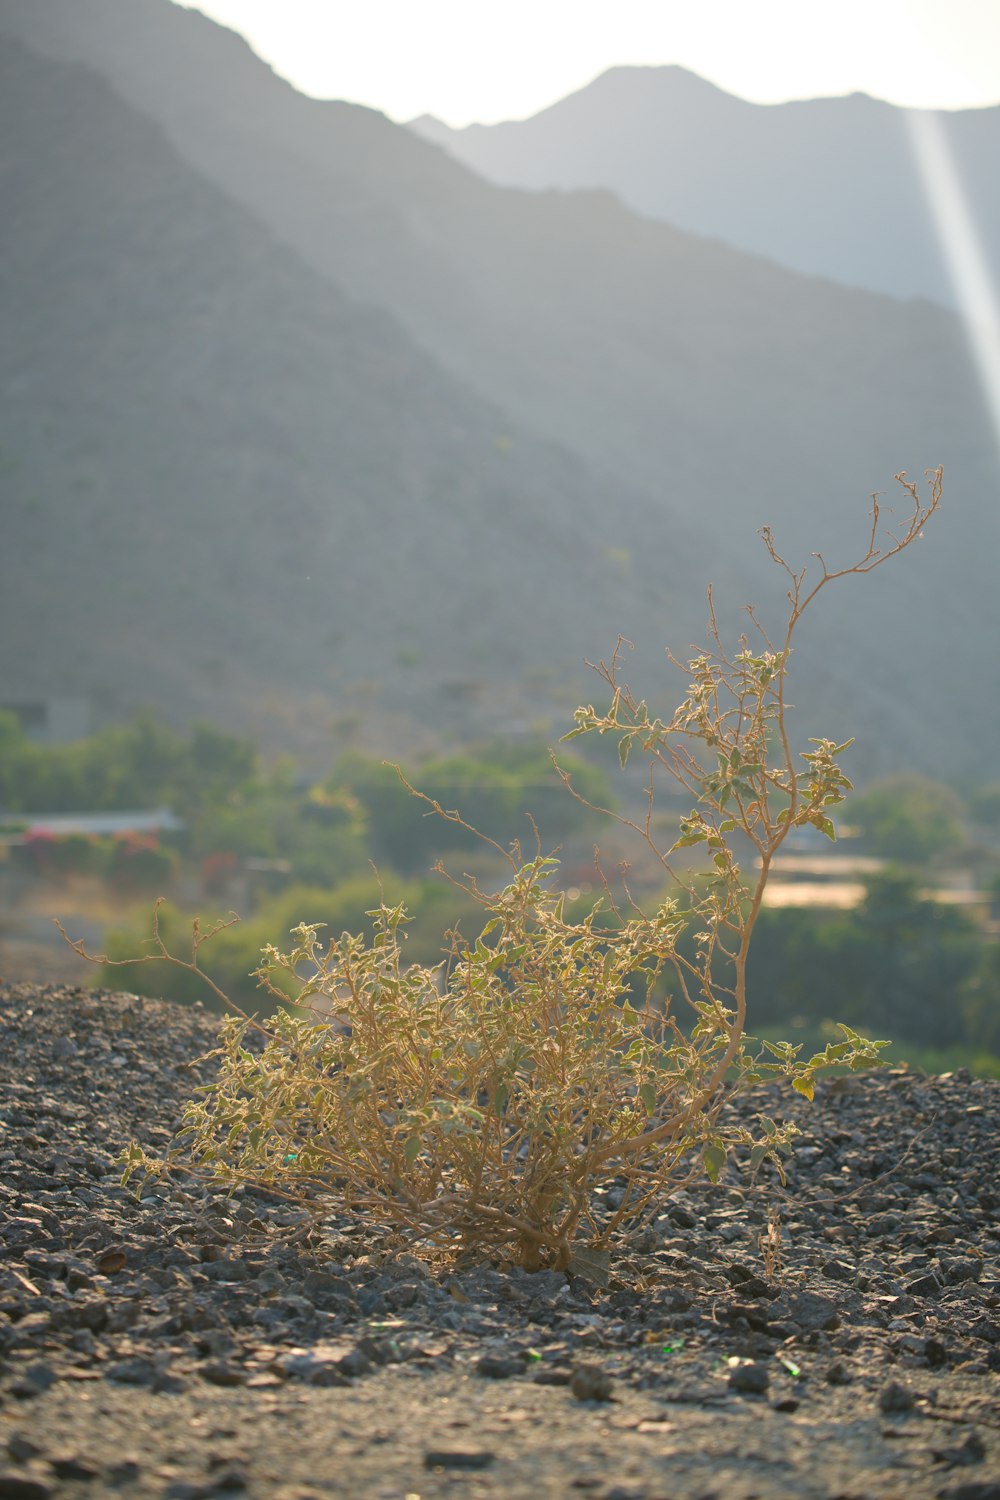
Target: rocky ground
[[191, 1345]]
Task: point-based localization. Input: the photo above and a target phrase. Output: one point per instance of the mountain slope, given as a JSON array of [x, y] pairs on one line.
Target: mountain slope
[[624, 339], [702, 391], [828, 187], [222, 480]]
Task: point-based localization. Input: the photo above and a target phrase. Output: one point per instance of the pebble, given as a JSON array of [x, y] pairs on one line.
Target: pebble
[[753, 1379], [15, 1486], [458, 1458], [895, 1398], [591, 1383], [500, 1367]]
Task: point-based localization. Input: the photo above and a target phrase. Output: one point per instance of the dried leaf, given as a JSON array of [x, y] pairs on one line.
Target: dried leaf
[[591, 1265]]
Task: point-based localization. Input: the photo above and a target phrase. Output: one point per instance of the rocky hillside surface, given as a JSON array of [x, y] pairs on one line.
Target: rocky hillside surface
[[342, 416], [192, 1345]]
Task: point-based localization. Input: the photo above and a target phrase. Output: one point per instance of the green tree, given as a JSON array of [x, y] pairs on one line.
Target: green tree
[[900, 965], [910, 818], [141, 764], [497, 787]]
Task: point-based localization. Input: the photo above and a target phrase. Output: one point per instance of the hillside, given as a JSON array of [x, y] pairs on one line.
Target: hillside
[[646, 397], [225, 482], [828, 187]]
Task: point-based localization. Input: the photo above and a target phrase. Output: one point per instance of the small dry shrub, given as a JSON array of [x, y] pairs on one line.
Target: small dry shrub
[[481, 1105]]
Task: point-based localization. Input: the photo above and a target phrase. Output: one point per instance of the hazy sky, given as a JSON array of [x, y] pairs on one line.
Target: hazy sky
[[503, 59]]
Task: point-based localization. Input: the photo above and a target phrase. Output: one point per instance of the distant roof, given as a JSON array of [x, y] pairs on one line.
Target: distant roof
[[147, 821]]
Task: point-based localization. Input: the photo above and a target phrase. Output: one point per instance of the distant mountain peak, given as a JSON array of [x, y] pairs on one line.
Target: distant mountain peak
[[829, 187]]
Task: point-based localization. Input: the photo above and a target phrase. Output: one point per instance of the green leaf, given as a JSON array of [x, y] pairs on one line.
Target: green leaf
[[647, 1093], [412, 1150], [758, 1156], [624, 746], [804, 1085], [687, 839], [714, 1159]]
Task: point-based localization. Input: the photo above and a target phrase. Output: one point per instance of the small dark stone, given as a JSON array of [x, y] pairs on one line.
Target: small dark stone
[[924, 1286], [133, 1372], [33, 1381], [736, 1273], [838, 1373], [220, 1373], [838, 1270], [458, 1458], [591, 1383], [895, 1399], [545, 1283], [674, 1299], [326, 1290], [356, 1362], [881, 1225], [786, 1404], [751, 1380], [404, 1295], [379, 1351], [230, 1479], [124, 1473], [20, 1487], [21, 1448], [371, 1302], [972, 1451], [960, 1268], [500, 1366], [757, 1287], [73, 1467], [808, 1310]]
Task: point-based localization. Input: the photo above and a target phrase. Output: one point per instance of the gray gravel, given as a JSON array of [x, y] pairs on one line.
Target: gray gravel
[[193, 1344]]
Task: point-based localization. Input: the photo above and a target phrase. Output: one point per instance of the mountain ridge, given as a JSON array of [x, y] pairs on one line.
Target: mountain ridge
[[691, 392], [814, 184]]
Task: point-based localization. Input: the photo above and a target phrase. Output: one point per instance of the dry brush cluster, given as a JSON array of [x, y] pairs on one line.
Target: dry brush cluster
[[481, 1105]]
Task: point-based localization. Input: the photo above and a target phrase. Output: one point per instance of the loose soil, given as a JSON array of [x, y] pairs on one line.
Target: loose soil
[[191, 1344]]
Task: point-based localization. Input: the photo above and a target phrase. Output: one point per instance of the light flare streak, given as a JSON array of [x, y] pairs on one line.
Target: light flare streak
[[967, 265]]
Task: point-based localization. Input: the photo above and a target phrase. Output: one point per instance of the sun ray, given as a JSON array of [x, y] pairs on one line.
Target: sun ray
[[967, 265]]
